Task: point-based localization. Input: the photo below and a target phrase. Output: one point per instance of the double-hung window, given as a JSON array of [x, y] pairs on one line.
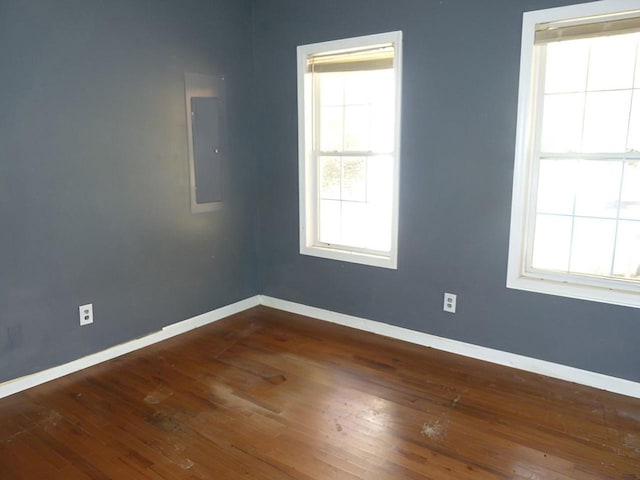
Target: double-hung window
[[575, 226], [349, 129]]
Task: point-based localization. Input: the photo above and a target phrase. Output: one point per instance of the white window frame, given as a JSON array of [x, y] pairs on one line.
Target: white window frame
[[567, 285], [309, 245]]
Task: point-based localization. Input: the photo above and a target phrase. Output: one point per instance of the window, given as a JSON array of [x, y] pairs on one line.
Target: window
[[575, 226], [349, 130]]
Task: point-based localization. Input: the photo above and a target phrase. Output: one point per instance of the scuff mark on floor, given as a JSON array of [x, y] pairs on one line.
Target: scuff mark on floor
[[275, 379], [603, 415], [151, 399], [455, 401], [51, 420], [158, 395], [178, 447], [165, 422], [15, 435], [632, 442], [434, 430], [338, 427], [186, 464]]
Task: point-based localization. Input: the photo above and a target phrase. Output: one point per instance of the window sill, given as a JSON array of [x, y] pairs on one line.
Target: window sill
[[351, 256], [603, 294]]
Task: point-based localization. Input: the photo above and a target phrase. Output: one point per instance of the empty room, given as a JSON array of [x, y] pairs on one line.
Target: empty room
[[310, 240]]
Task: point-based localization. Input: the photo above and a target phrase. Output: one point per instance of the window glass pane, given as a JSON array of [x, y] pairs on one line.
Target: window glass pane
[[366, 225], [562, 122], [379, 234], [612, 62], [552, 243], [382, 126], [567, 66], [556, 186], [598, 188], [331, 129], [372, 91], [630, 198], [627, 261], [592, 246], [331, 89], [383, 113], [633, 141], [360, 87], [384, 84], [330, 178], [606, 121], [636, 84], [357, 128], [329, 221], [380, 180], [355, 224], [354, 179], [362, 218]]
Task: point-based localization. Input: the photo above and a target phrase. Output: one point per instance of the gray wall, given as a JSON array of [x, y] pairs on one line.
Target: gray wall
[[94, 194], [94, 202], [461, 61]]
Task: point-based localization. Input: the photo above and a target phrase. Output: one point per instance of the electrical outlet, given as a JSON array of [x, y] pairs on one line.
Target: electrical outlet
[[86, 314], [450, 300]]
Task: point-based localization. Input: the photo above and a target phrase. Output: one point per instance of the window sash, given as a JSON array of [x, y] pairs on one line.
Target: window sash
[[536, 155], [343, 65], [318, 199]]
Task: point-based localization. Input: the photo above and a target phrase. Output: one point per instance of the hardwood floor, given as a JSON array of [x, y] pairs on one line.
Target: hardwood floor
[[271, 395]]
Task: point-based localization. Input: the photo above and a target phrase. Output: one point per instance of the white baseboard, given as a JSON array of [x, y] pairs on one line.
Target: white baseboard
[[17, 385], [542, 367]]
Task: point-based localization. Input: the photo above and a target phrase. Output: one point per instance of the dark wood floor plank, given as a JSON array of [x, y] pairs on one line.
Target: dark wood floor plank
[[442, 409], [271, 395]]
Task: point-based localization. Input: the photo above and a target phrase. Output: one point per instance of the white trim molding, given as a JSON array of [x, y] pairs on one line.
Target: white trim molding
[[542, 367], [520, 362], [23, 383]]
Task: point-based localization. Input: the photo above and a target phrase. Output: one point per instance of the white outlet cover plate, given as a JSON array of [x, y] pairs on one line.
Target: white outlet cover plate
[[86, 314], [449, 304]]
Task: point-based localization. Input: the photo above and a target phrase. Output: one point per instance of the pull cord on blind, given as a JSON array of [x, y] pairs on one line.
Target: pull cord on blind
[[618, 24], [379, 57]]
